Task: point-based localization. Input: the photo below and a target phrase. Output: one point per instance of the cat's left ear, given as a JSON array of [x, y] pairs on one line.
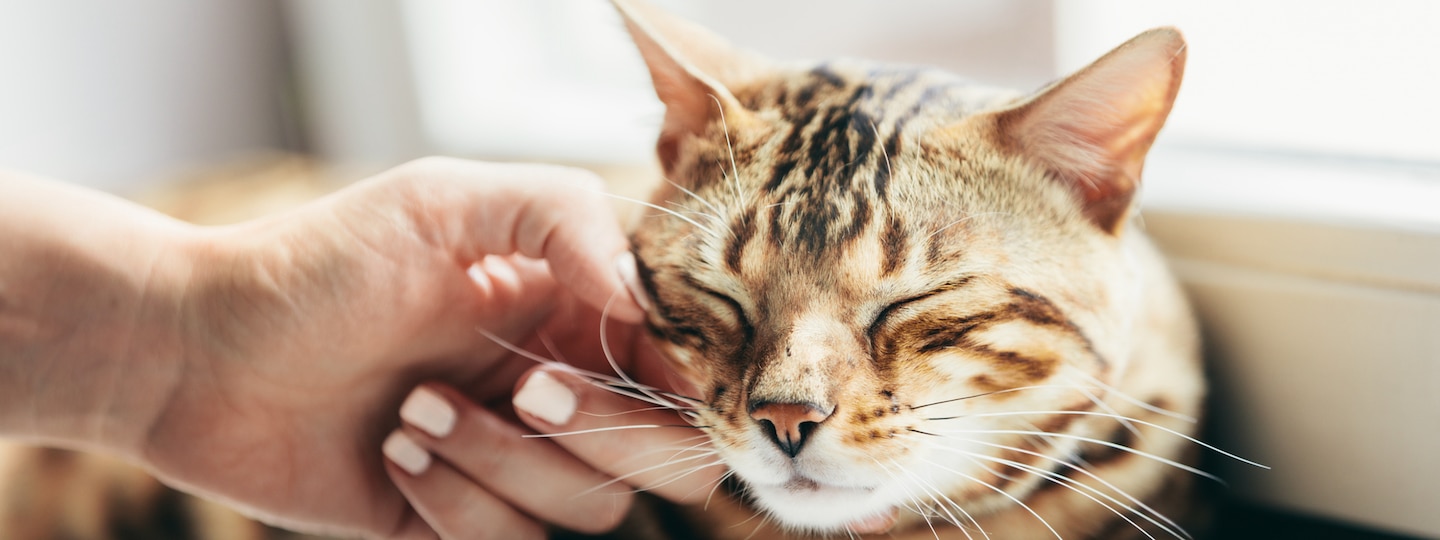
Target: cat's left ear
[[1093, 129], [692, 69]]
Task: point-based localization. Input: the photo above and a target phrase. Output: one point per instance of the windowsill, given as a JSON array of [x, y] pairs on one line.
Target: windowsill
[[1376, 224], [1403, 196]]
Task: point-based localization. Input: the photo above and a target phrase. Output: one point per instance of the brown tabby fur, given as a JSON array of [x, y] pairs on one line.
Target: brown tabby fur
[[947, 267]]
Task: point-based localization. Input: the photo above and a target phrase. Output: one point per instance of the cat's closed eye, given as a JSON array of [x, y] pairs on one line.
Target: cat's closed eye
[[897, 308], [731, 307]]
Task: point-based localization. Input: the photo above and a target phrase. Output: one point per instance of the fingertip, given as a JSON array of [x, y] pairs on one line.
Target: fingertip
[[428, 411], [628, 271], [403, 452], [608, 280], [542, 395]]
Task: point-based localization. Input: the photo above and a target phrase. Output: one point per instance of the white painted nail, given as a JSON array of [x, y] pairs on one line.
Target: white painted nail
[[404, 452], [426, 410], [546, 398], [630, 276]]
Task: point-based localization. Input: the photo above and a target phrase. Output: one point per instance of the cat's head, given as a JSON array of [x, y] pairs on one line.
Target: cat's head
[[876, 275]]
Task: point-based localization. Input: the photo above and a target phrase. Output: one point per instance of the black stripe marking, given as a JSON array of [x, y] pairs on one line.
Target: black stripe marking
[[892, 240], [744, 230]]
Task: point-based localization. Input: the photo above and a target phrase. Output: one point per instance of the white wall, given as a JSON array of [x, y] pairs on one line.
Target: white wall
[[119, 94], [1316, 77], [559, 79]]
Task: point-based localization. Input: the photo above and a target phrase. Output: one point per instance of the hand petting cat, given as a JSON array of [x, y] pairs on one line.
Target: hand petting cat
[[262, 364]]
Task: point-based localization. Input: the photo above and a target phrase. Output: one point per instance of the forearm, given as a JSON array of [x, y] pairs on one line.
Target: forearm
[[90, 287]]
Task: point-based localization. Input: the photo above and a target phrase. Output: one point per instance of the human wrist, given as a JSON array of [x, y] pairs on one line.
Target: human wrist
[[88, 294]]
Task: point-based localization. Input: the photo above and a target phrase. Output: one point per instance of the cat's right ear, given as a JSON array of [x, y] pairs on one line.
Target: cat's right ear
[[1092, 130], [692, 69]]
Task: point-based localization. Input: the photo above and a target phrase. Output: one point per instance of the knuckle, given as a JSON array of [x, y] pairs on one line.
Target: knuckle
[[500, 444]]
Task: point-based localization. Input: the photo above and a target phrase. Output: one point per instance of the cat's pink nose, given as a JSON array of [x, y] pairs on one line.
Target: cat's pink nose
[[789, 424]]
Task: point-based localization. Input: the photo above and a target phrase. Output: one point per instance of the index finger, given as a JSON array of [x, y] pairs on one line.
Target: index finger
[[548, 212]]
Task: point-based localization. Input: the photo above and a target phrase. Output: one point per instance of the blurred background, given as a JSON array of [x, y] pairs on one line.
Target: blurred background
[[117, 95], [1296, 187]]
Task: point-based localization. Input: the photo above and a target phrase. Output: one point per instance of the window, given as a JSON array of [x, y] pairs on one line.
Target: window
[[1317, 77]]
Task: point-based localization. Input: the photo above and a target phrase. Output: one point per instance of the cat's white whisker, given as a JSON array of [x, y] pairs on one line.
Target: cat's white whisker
[[718, 482], [602, 430], [889, 171], [550, 347], [683, 209], [1075, 486], [629, 412], [1005, 494], [505, 344], [1083, 471], [697, 449], [704, 215], [1204, 444], [947, 505], [735, 180], [667, 479], [994, 393], [712, 486], [764, 519], [619, 388], [717, 212], [680, 475], [1093, 440], [683, 217], [1062, 482], [962, 220], [919, 508], [610, 384], [610, 357], [1111, 390], [1102, 405], [781, 203], [517, 350]]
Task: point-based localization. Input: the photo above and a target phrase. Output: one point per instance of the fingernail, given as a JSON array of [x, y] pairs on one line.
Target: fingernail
[[630, 276], [404, 452], [426, 410], [546, 398]]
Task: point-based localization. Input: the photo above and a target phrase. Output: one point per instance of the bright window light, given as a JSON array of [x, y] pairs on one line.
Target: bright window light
[[1333, 77]]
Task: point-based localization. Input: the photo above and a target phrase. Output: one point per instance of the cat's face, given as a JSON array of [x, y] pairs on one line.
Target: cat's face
[[874, 286]]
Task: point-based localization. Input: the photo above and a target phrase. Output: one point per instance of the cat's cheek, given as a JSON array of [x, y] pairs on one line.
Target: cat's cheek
[[687, 363]]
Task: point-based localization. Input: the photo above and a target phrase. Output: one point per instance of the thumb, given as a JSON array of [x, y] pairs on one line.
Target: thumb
[[548, 212]]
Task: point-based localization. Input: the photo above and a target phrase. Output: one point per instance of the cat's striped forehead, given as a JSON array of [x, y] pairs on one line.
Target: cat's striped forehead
[[837, 143]]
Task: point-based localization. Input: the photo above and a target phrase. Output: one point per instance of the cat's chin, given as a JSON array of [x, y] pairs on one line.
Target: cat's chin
[[805, 504]]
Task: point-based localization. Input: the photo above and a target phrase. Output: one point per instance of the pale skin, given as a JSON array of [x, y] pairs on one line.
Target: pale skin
[[263, 364]]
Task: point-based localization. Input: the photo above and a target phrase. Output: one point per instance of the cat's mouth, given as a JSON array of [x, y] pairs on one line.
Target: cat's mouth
[[801, 484], [806, 502]]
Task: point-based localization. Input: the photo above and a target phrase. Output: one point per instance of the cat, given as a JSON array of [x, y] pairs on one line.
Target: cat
[[915, 304]]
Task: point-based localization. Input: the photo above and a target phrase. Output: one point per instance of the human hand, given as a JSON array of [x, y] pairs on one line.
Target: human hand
[[454, 458], [302, 333]]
